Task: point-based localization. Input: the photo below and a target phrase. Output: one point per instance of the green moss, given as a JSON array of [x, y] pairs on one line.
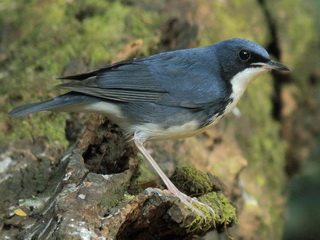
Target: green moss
[[224, 215], [191, 181], [128, 196]]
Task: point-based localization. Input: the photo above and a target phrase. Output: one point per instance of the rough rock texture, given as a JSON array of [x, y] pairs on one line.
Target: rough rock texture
[[84, 193]]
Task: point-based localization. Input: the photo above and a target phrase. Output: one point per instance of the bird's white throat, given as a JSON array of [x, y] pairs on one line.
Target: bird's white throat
[[240, 83]]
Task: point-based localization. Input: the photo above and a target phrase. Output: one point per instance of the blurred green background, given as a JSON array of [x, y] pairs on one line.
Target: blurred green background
[[279, 131]]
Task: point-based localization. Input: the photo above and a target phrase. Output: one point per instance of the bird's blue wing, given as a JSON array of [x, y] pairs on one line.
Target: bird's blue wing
[[126, 81], [180, 78]]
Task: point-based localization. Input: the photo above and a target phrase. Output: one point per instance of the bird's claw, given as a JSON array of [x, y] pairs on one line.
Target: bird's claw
[[203, 204], [188, 201]]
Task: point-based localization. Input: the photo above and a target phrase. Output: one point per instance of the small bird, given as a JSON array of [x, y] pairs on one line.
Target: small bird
[[170, 95]]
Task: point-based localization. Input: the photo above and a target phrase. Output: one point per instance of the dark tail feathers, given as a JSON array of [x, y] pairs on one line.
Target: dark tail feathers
[[66, 100]]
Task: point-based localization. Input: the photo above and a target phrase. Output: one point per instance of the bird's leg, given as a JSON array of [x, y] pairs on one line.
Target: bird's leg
[[171, 187]]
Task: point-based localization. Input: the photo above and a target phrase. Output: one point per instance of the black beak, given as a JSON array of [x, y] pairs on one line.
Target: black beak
[[272, 65], [277, 66]]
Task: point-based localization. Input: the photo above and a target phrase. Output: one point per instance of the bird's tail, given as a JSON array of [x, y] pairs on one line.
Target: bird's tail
[[55, 104]]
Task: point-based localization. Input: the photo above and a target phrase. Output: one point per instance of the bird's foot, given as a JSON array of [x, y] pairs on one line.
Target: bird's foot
[[188, 201], [138, 140]]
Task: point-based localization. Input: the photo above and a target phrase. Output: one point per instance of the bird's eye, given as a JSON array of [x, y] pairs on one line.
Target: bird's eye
[[244, 55]]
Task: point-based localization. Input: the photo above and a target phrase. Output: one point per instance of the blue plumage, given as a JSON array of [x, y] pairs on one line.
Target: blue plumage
[[169, 95]]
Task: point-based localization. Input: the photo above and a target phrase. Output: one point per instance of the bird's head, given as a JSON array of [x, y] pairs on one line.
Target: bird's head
[[244, 58]]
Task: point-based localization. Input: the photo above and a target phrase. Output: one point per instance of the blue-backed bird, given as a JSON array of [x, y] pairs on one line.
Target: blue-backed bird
[[171, 95]]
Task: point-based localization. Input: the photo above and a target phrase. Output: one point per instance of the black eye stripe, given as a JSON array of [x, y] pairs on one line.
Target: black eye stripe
[[244, 55]]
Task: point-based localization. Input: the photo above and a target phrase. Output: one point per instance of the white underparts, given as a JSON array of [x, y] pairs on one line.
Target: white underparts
[[153, 131]]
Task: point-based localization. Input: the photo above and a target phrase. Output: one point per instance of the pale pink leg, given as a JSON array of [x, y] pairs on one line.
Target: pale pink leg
[[171, 187]]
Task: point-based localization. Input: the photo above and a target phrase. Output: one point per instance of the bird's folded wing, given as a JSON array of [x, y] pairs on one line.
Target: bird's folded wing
[[128, 81], [168, 79]]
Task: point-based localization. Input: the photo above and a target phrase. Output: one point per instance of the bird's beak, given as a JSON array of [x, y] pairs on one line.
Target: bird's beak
[[273, 65]]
